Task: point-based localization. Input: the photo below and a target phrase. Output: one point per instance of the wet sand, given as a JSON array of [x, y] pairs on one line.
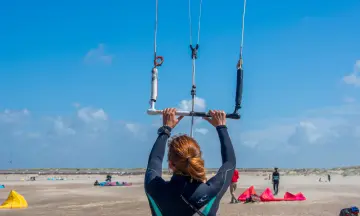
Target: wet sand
[[78, 196]]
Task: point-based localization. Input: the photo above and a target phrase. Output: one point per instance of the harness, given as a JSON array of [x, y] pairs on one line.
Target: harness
[[203, 211]]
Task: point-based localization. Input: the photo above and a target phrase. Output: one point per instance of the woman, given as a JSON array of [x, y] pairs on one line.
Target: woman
[[188, 192]]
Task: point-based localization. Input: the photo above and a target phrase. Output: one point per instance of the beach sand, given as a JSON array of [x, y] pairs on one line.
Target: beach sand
[[78, 196]]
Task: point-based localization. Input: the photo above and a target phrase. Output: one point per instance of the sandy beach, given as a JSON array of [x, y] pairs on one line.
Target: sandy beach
[[78, 196]]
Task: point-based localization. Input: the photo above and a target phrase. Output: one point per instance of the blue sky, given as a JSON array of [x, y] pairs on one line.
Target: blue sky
[[75, 80]]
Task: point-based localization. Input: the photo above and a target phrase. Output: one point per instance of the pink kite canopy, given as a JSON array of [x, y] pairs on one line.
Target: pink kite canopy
[[267, 196]]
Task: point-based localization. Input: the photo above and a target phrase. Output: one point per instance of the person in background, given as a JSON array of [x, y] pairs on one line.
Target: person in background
[[352, 211], [329, 177], [108, 178], [275, 181], [233, 186]]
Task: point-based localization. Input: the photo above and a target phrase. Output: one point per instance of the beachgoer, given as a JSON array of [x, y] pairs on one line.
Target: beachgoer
[[188, 192], [108, 178], [276, 181], [329, 177], [352, 211], [233, 186]]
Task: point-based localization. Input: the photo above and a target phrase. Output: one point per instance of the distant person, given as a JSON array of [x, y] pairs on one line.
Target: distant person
[[108, 178], [352, 211], [233, 186], [329, 177], [188, 192], [276, 181]]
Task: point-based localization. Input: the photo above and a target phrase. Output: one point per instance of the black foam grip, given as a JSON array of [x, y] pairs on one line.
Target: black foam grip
[[239, 87], [228, 115]]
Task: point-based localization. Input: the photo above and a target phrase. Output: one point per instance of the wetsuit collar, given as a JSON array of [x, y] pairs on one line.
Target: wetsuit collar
[[179, 178]]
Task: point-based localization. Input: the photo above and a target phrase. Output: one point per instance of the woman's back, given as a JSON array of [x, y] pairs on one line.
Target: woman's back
[[187, 193]]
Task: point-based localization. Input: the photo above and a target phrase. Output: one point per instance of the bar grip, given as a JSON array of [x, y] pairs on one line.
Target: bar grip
[[239, 88], [189, 113]]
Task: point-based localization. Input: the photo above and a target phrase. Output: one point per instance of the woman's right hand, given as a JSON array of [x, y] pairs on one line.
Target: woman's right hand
[[217, 118]]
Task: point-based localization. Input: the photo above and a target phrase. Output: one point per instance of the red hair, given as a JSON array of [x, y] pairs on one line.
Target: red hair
[[185, 155]]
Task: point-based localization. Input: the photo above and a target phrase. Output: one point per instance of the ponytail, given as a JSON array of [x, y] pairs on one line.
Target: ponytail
[[196, 169], [185, 155]]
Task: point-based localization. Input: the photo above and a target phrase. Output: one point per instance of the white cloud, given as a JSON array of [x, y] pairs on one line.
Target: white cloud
[[202, 131], [84, 138], [61, 128], [317, 127], [98, 55], [133, 128], [313, 137], [354, 77], [305, 133], [88, 114], [186, 105], [13, 115], [140, 131]]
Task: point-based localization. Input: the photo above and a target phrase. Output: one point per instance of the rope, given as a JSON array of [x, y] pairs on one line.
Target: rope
[[242, 35], [156, 27], [199, 23], [194, 57], [158, 60]]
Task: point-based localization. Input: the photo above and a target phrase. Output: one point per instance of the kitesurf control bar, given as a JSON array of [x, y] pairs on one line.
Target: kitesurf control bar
[[189, 113], [154, 89], [158, 60]]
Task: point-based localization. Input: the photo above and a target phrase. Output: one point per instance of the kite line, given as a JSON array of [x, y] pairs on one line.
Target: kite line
[[158, 61], [194, 51]]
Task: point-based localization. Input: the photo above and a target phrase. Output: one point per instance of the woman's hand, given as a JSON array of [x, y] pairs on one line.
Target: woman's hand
[[217, 118], [169, 118]]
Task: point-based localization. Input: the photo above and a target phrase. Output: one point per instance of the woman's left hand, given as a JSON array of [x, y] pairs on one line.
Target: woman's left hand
[[169, 117]]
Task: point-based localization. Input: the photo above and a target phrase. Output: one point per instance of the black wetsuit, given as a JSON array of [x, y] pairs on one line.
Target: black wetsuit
[[180, 196], [276, 179]]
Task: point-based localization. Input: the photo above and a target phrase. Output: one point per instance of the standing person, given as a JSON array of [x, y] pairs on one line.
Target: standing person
[[108, 178], [188, 192], [329, 177], [276, 181], [233, 186]]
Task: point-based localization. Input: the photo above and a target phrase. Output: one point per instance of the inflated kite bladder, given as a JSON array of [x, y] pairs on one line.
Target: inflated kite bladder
[[14, 201], [158, 61]]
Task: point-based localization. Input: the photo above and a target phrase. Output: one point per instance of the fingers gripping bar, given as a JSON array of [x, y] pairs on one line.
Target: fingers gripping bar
[[189, 113]]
